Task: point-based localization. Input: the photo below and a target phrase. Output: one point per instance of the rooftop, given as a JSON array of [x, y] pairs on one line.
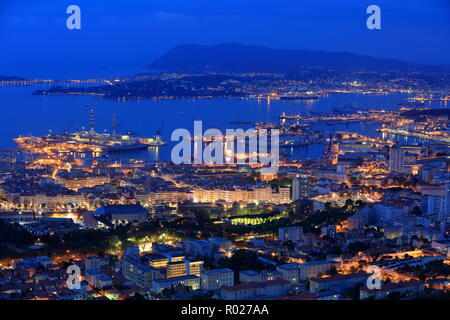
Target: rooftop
[[215, 271], [121, 209], [253, 284]]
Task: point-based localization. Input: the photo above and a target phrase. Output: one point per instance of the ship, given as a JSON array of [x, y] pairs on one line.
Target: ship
[[108, 142], [300, 96], [103, 141], [113, 142]]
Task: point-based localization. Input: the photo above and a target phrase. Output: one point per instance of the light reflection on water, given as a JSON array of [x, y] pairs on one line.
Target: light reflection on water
[[25, 114]]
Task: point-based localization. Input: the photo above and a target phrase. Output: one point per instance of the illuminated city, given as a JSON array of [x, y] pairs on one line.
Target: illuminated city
[[97, 201]]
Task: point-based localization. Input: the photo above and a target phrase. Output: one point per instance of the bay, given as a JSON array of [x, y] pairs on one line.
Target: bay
[[27, 114]]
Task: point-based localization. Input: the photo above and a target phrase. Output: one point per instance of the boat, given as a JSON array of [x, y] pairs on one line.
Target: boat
[[113, 142], [300, 96], [308, 95], [102, 141], [92, 140]]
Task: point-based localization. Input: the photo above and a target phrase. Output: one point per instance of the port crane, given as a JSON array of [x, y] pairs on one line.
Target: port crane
[[159, 132], [113, 124], [91, 114]]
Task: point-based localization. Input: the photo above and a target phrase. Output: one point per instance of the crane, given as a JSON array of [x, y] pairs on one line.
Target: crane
[[159, 132], [113, 124], [91, 113]]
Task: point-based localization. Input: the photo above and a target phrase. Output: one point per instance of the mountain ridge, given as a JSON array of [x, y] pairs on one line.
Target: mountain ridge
[[235, 57]]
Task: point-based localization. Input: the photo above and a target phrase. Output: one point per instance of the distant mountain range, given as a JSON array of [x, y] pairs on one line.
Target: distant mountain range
[[9, 78], [234, 57]]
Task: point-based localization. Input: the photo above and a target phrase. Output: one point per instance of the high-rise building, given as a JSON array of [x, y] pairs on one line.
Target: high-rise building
[[446, 205], [300, 188], [141, 274], [396, 160], [184, 268], [219, 244], [196, 248], [194, 267], [176, 269], [92, 264], [437, 202], [290, 233]]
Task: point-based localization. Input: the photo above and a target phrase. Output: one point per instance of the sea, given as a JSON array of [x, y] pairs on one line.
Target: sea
[[23, 114]]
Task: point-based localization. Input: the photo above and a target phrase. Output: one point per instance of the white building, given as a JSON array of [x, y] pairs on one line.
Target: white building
[[218, 244], [196, 248], [32, 262], [93, 263], [255, 290], [290, 272], [300, 188], [290, 233], [215, 279], [187, 281], [396, 160], [121, 214], [253, 276], [99, 280], [315, 268]]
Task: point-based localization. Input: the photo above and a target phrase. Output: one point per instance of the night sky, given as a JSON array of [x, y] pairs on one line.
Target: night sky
[[123, 35]]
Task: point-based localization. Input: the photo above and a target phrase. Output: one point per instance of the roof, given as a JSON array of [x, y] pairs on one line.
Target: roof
[[318, 263], [175, 279], [290, 228], [135, 261], [197, 241], [341, 277], [102, 277], [302, 296], [253, 284], [215, 271], [249, 272], [289, 266], [121, 209]]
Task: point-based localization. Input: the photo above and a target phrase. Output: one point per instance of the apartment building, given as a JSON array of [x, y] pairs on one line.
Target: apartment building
[[215, 279]]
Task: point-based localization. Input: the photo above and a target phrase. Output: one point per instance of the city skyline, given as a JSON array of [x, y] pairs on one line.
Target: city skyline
[[213, 158]]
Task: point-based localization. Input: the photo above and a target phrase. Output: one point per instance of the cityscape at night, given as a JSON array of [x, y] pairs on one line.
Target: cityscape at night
[[225, 151]]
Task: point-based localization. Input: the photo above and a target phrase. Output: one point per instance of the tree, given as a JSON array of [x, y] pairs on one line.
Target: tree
[[136, 296], [331, 272], [393, 296], [354, 292], [417, 211], [243, 260], [289, 245]]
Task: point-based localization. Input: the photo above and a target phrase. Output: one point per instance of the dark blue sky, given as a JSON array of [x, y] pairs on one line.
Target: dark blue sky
[[125, 34]]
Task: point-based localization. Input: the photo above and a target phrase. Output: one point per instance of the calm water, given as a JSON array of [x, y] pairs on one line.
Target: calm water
[[24, 114]]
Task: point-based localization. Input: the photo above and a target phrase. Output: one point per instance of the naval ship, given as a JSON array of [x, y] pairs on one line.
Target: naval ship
[[104, 141], [109, 142], [299, 96]]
